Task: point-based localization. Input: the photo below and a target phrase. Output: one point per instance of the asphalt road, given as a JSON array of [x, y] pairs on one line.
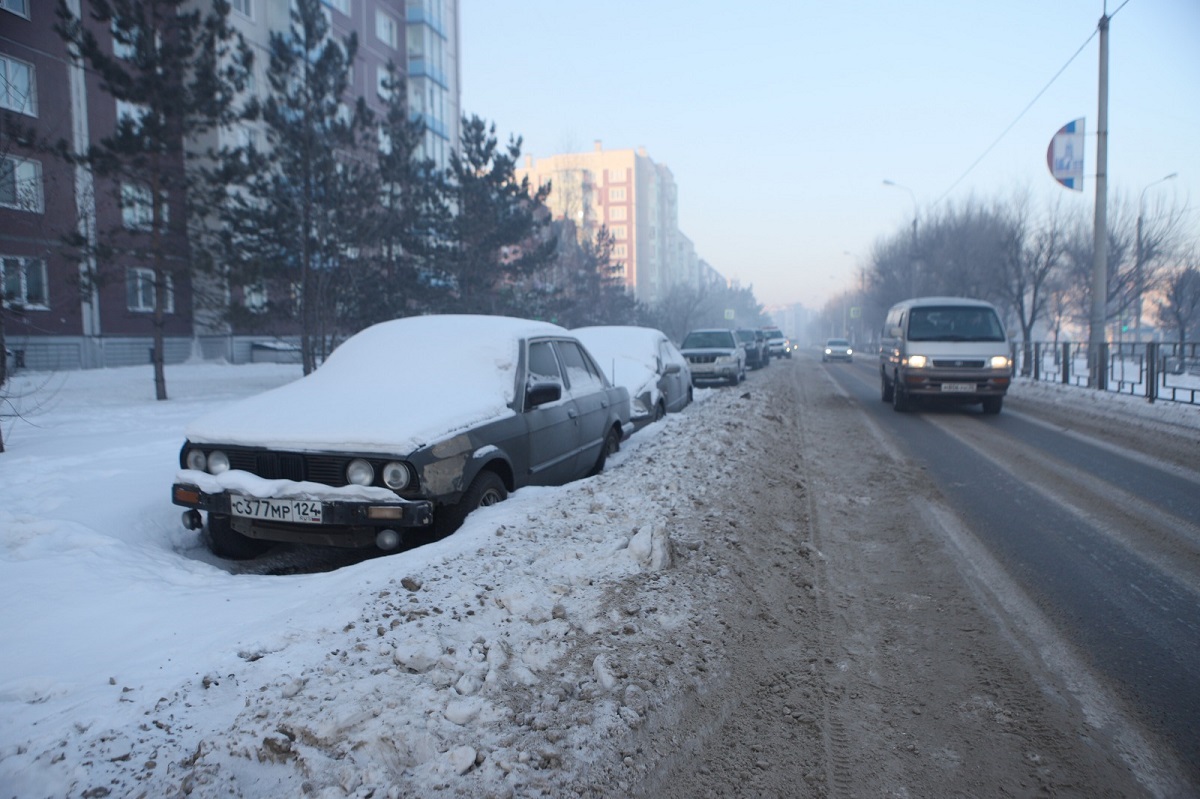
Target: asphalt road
[[1104, 538]]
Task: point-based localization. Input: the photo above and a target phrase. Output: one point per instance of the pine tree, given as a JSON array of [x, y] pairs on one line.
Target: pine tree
[[297, 220], [497, 232], [174, 73]]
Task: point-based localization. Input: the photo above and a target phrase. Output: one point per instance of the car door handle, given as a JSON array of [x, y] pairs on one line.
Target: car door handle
[[573, 413]]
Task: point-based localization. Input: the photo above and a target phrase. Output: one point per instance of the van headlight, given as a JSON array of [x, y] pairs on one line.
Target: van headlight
[[917, 361], [1001, 362]]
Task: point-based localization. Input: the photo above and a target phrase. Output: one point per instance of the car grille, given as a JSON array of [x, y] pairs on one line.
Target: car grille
[[701, 358], [327, 469], [956, 364]]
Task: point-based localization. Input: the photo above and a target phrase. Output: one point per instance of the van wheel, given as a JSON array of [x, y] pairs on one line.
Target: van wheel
[[900, 400], [225, 542], [993, 405], [885, 388]]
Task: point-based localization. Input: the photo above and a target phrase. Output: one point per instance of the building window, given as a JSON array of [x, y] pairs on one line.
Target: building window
[[620, 232], [617, 213], [381, 83], [23, 281], [135, 111], [137, 211], [139, 290], [18, 7], [254, 298], [340, 5], [616, 176], [617, 195], [21, 184], [18, 89], [121, 47], [387, 30], [620, 251], [244, 8]]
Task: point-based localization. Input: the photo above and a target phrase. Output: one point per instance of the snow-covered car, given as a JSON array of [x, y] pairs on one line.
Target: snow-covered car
[[645, 362], [714, 354], [837, 349], [405, 429]]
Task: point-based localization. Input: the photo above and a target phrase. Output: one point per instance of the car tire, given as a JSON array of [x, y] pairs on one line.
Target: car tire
[[612, 443], [900, 399], [992, 405], [660, 411], [486, 489], [885, 388], [225, 542]]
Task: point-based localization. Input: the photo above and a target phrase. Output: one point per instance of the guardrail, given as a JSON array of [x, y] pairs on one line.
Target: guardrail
[[1154, 369]]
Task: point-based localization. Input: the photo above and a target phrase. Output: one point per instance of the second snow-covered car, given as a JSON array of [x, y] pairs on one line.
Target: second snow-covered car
[[645, 362], [406, 428]]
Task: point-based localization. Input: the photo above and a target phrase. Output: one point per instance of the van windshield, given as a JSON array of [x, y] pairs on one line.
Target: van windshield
[[954, 323]]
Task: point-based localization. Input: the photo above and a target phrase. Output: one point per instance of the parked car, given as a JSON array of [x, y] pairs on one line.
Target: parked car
[[755, 344], [406, 428], [949, 348], [645, 362], [837, 349], [777, 344], [714, 355]]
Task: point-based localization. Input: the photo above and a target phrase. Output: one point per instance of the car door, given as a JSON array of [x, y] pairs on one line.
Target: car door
[[553, 427], [590, 391], [672, 383]]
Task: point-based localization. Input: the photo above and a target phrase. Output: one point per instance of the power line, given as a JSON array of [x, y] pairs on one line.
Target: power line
[[1024, 111]]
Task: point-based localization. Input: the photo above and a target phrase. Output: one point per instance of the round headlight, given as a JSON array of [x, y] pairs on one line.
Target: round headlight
[[218, 462], [360, 472], [195, 460], [395, 475]]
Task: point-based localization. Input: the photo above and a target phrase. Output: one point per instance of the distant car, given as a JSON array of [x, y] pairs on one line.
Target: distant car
[[405, 429], [755, 344], [714, 355], [777, 344], [646, 363], [838, 349]]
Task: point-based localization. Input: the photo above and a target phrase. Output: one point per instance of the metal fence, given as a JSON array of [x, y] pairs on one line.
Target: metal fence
[[1155, 370]]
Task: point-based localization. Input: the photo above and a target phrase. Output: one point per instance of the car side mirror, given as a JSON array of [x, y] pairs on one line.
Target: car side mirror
[[543, 392], [671, 369], [894, 331]]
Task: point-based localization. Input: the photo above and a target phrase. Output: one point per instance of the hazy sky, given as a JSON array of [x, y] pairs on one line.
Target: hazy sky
[[781, 119]]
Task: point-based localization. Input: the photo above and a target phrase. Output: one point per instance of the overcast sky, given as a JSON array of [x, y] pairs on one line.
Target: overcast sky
[[780, 119]]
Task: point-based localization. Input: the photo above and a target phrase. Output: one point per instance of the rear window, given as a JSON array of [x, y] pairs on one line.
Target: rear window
[[954, 323], [708, 339]]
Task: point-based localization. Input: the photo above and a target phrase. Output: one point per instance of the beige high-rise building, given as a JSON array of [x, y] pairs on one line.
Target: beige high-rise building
[[636, 198]]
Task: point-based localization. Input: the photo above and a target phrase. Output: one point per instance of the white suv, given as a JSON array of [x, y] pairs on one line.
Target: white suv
[[715, 355]]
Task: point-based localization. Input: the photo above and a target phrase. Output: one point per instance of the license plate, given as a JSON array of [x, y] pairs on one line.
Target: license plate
[[277, 510], [959, 387]]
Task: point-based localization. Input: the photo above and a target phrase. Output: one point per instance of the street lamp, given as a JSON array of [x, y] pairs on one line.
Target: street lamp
[[1137, 263], [912, 268]]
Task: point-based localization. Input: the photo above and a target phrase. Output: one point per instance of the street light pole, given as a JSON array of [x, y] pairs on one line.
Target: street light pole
[[912, 262], [1138, 273]]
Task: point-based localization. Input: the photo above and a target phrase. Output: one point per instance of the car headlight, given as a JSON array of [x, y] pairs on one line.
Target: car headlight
[[828, 351], [218, 462], [196, 460], [395, 475], [1001, 362], [849, 350], [360, 472], [917, 361], [725, 359]]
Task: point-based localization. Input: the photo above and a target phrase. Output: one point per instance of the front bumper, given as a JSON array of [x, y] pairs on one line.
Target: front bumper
[[964, 386], [708, 372], [348, 522]]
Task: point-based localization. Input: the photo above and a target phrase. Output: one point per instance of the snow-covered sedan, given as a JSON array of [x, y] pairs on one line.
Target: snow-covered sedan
[[645, 362], [406, 428]]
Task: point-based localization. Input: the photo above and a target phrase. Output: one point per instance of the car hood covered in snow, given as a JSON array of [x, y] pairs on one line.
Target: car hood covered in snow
[[628, 355], [391, 388]]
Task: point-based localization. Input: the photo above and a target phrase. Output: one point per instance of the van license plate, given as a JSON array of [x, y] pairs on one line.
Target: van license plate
[[958, 387], [277, 510]]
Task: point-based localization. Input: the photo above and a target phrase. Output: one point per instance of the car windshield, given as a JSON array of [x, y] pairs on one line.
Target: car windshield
[[954, 323], [708, 339], [837, 342]]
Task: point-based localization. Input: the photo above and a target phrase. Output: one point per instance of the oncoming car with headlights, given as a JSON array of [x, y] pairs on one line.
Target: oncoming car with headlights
[[838, 349], [946, 348], [404, 430]]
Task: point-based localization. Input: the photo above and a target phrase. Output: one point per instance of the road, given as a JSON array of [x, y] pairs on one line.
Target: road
[[962, 605]]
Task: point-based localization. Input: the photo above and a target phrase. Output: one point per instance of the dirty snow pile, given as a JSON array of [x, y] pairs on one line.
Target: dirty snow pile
[[135, 663]]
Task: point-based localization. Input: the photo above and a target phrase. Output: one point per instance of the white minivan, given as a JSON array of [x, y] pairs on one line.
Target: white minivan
[[951, 348]]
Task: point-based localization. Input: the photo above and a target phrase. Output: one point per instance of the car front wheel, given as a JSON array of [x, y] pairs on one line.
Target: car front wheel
[[225, 542], [612, 443], [885, 388], [486, 489]]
